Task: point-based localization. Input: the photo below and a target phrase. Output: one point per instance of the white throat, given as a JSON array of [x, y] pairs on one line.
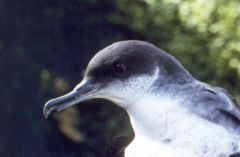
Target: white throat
[[153, 118]]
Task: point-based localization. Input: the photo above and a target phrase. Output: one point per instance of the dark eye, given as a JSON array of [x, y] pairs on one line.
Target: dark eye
[[119, 68]]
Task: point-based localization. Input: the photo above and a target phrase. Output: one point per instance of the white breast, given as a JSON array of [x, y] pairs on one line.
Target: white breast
[[165, 129]]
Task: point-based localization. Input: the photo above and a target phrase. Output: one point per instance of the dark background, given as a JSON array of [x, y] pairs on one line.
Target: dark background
[[46, 45]]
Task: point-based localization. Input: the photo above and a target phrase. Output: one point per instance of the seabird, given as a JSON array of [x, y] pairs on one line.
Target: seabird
[[172, 113]]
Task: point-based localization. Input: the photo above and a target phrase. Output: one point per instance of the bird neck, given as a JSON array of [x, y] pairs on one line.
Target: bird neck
[[155, 117]]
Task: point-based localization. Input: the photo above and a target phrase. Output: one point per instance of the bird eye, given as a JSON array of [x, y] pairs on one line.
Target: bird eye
[[119, 68]]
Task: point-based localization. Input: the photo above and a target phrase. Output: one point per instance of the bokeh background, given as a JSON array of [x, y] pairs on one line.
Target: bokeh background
[[45, 46]]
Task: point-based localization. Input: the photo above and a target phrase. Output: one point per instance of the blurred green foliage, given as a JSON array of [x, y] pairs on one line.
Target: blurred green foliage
[[45, 47]]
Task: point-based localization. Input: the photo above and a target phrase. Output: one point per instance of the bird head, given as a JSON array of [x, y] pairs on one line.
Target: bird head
[[122, 73]]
